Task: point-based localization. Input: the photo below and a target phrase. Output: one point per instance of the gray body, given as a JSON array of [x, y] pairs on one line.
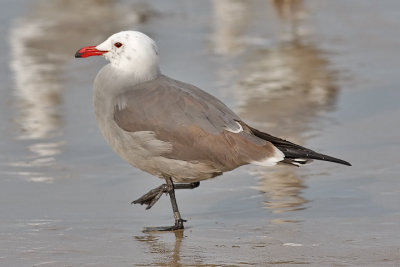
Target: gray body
[[169, 128]]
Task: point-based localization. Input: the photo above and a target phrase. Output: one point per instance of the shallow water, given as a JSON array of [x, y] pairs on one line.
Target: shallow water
[[321, 73]]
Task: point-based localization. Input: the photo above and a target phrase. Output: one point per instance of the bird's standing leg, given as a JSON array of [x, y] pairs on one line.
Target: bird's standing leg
[[178, 219], [154, 195]]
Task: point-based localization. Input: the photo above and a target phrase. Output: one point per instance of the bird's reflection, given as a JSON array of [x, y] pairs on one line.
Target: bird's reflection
[[290, 13], [288, 9], [42, 43], [169, 255], [281, 89], [175, 253], [230, 24]]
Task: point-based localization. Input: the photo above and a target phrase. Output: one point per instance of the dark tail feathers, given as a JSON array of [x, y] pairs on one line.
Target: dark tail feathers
[[293, 151]]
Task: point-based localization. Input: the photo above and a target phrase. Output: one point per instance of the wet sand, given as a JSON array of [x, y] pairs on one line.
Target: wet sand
[[321, 73]]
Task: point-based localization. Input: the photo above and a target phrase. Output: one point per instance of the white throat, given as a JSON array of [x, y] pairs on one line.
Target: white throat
[[138, 71]]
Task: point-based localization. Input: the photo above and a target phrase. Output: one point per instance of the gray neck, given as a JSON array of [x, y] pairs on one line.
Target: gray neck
[[111, 81]]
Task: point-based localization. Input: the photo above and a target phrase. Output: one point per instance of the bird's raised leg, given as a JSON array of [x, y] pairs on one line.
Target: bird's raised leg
[[154, 195], [151, 197]]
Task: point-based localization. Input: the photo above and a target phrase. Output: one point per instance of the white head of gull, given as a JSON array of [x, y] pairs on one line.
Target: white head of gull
[[130, 53], [172, 129]]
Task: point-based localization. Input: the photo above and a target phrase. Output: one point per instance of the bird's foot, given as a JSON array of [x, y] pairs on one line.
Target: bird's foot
[[151, 197], [178, 226]]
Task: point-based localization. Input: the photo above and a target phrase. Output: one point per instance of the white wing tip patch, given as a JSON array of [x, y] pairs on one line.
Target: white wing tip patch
[[237, 130], [271, 161], [299, 161]]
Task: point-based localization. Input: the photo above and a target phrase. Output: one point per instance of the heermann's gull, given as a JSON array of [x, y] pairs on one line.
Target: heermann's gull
[[172, 129]]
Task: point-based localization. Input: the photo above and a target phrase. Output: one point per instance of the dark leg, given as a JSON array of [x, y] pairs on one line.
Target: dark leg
[[151, 197], [187, 186], [178, 219], [154, 195]]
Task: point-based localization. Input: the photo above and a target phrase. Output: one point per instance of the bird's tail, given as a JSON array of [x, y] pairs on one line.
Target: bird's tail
[[295, 154]]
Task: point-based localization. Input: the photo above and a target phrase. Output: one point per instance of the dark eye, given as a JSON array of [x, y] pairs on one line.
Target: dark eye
[[118, 45]]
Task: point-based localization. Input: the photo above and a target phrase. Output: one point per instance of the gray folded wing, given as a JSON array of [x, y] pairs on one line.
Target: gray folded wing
[[199, 126]]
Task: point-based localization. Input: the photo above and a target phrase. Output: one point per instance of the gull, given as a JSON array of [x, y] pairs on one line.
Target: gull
[[171, 129]]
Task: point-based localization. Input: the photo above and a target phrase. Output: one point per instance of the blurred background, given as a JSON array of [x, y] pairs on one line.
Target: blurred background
[[323, 74]]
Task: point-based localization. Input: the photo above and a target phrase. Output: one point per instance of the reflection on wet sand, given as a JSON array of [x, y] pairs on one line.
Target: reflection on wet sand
[[285, 87], [282, 90], [167, 256], [290, 12], [230, 24], [171, 253], [42, 43]]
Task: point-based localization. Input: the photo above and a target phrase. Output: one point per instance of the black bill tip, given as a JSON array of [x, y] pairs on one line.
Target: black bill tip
[[78, 54]]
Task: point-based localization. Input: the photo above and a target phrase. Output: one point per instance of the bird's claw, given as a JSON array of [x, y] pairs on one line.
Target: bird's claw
[[178, 226], [151, 197]]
